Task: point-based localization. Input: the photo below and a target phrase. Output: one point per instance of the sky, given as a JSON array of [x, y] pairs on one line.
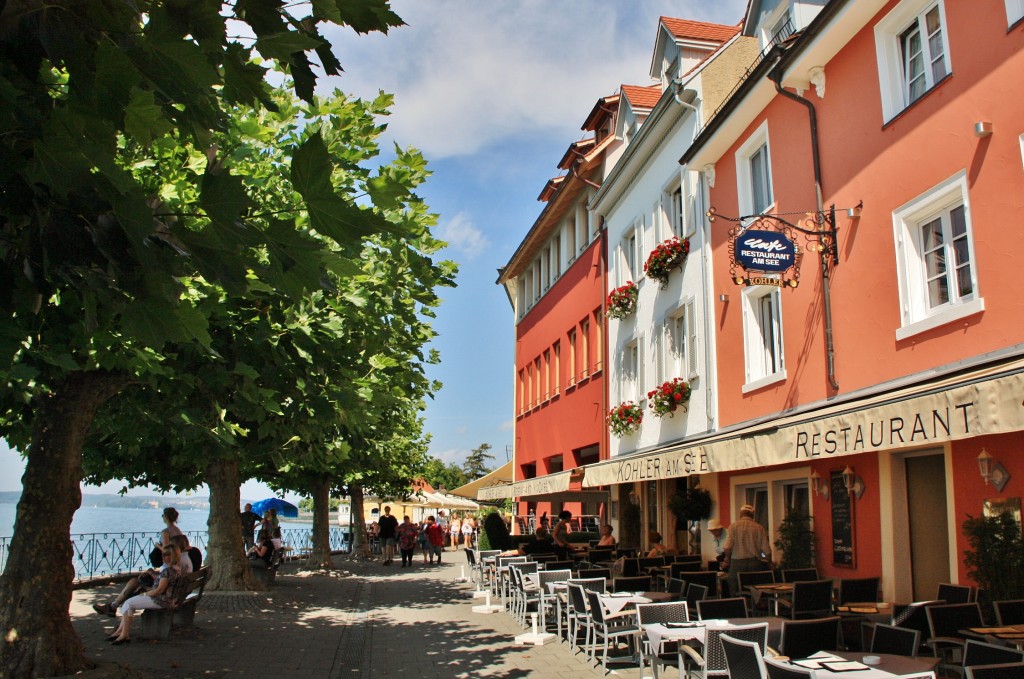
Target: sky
[[492, 93]]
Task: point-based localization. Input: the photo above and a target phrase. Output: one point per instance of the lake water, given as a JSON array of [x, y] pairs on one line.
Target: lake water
[[118, 520]]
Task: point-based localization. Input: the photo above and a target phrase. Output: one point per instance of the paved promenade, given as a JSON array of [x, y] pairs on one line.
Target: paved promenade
[[363, 620]]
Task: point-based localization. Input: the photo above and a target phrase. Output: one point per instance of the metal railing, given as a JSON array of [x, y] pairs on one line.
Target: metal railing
[[99, 554]]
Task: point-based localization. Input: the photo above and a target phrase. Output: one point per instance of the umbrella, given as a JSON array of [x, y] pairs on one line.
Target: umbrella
[[285, 509]]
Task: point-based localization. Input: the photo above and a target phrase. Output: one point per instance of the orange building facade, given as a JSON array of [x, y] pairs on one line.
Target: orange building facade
[[911, 364]]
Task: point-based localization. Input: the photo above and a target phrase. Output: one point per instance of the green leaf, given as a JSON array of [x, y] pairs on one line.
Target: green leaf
[[223, 196], [143, 119], [282, 46], [244, 81], [381, 361]]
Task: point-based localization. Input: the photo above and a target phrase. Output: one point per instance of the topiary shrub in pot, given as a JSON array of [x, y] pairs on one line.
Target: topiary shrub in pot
[[495, 533], [995, 559], [796, 541]]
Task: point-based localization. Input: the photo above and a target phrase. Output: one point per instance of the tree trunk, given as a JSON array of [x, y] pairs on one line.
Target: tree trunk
[[321, 556], [229, 569], [36, 635], [360, 545]]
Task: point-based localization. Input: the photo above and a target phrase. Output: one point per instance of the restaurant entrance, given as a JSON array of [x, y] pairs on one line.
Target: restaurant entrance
[[928, 527]]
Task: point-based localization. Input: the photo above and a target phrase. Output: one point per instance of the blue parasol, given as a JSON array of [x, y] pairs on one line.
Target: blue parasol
[[285, 509]]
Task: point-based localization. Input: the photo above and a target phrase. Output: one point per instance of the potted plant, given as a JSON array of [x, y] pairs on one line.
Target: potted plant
[[995, 559], [691, 504], [796, 541], [622, 300], [672, 394], [665, 257], [625, 418]]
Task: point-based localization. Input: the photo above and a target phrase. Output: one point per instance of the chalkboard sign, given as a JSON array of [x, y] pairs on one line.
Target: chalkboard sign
[[843, 548]]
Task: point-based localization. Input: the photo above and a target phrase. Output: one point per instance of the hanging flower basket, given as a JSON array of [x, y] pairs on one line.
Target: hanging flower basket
[[671, 395], [625, 418], [622, 300], [665, 257]]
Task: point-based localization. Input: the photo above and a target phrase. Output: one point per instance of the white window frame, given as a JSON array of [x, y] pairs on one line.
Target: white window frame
[[744, 184], [774, 23], [631, 376], [1014, 11], [889, 53], [915, 315], [673, 210], [580, 219], [569, 226], [631, 250], [680, 358], [756, 348]]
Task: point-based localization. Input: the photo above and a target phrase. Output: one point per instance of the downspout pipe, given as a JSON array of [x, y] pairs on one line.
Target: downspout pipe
[[830, 350]]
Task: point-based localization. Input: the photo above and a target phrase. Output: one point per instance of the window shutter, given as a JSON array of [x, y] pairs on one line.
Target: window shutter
[[640, 364], [691, 341], [661, 345]]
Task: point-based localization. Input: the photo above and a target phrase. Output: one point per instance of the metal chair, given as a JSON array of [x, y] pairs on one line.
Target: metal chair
[[603, 627], [712, 663], [631, 568], [799, 574], [599, 556], [676, 587], [751, 578], [695, 594], [681, 569], [547, 599], [895, 640], [780, 670], [1013, 670], [641, 583], [707, 578], [955, 594], [649, 562], [743, 658], [858, 590], [1010, 612], [944, 625], [605, 573], [979, 653], [801, 638], [914, 616], [717, 609], [559, 565], [649, 614], [524, 595], [811, 599], [577, 618]]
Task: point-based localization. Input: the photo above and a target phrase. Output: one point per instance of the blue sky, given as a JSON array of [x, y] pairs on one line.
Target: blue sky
[[492, 93]]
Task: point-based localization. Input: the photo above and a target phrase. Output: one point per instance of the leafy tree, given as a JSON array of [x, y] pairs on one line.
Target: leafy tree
[[93, 278], [476, 462], [439, 474]]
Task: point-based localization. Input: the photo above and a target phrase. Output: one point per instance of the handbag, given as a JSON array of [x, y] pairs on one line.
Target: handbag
[[156, 558]]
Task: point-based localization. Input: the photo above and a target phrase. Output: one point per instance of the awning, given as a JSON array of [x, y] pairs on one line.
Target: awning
[[500, 476], [977, 403], [557, 487]]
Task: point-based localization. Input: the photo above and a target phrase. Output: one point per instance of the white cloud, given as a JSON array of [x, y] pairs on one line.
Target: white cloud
[[457, 455], [467, 74], [462, 236]]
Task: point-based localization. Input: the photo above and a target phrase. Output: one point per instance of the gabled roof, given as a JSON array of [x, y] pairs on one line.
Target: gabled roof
[[642, 97], [699, 30], [604, 107], [575, 150]]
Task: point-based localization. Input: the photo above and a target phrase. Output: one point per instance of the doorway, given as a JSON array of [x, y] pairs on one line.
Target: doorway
[[928, 528]]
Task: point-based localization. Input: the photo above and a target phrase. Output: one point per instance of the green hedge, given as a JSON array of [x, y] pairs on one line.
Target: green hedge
[[495, 533]]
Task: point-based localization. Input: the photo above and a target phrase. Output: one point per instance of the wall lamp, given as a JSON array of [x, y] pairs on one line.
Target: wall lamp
[[854, 484], [982, 129], [992, 470], [819, 485]]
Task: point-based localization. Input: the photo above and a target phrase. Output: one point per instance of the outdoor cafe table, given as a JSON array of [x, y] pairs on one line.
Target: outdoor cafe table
[[1005, 634], [889, 666], [870, 611], [772, 591], [696, 630]]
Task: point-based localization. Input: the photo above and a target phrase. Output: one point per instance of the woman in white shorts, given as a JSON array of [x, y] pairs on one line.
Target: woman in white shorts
[[467, 532]]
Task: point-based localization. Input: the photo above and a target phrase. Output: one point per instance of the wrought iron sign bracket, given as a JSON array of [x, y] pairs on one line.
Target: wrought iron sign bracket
[[764, 250]]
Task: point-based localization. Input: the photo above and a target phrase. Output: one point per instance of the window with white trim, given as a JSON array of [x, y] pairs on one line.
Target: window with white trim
[[672, 211], [631, 249], [753, 173], [913, 53], [935, 258], [681, 342], [580, 219], [762, 336], [570, 235], [1014, 11], [631, 377], [556, 256]]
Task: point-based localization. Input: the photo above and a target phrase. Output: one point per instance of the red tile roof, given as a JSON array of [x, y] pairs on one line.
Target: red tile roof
[[699, 30], [642, 97]]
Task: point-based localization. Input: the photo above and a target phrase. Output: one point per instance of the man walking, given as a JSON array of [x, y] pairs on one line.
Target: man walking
[[746, 548], [249, 520], [435, 538], [388, 526]]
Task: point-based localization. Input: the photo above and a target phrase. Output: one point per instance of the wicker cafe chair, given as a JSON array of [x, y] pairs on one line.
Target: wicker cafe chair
[[1001, 671], [743, 658], [979, 653], [719, 609], [801, 638], [577, 618], [547, 600], [1010, 612], [649, 614], [799, 574], [713, 663], [895, 640], [944, 625], [604, 628], [780, 670], [955, 594]]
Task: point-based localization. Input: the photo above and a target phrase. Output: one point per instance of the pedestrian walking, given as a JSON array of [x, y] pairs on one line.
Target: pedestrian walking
[[407, 534], [248, 519], [435, 536], [746, 548], [387, 526]]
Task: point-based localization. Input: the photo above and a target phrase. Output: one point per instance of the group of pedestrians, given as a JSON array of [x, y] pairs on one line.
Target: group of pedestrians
[[431, 536]]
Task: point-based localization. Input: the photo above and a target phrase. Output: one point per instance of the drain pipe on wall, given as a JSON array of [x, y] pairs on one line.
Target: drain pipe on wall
[[830, 350]]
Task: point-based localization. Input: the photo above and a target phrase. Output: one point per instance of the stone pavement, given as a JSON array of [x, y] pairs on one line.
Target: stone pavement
[[363, 620]]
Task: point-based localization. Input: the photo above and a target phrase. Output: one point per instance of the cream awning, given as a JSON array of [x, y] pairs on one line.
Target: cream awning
[[500, 476], [977, 403], [541, 485]]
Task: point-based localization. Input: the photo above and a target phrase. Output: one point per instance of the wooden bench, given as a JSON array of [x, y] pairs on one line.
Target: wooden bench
[[157, 623], [269, 574]]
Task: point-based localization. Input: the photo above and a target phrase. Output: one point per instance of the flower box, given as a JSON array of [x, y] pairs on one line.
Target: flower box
[[665, 257], [622, 300], [625, 418], [670, 395]]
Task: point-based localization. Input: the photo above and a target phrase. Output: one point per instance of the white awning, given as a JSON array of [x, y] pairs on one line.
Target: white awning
[[499, 477], [979, 403]]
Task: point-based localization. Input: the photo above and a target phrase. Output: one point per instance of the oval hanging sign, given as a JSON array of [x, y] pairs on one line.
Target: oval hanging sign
[[768, 251]]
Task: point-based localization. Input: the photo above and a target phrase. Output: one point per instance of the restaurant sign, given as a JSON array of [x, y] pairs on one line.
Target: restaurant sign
[[765, 253]]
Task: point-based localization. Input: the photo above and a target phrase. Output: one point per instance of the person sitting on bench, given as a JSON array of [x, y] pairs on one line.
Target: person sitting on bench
[[262, 552], [163, 595]]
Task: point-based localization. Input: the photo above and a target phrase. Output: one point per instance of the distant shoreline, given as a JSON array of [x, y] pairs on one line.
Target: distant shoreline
[[186, 503]]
